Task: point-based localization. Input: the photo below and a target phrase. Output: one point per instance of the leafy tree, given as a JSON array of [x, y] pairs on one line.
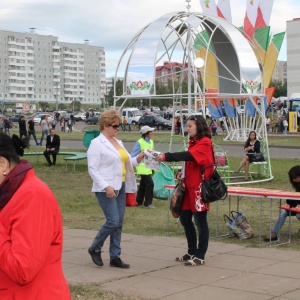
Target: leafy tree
[[44, 105], [75, 105], [281, 88], [119, 91], [61, 106]]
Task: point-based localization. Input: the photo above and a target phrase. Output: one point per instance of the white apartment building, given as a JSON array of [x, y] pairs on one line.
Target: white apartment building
[[293, 56], [37, 68], [280, 71]]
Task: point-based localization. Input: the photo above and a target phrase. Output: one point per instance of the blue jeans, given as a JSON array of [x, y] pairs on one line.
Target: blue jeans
[[283, 214], [285, 129], [186, 219], [114, 211], [44, 132]]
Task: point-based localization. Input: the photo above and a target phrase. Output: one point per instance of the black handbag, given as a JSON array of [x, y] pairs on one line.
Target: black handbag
[[176, 201], [256, 157], [213, 189]]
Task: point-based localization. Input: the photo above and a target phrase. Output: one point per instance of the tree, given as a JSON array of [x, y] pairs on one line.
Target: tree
[[44, 105], [119, 91], [281, 88], [75, 105], [61, 106]]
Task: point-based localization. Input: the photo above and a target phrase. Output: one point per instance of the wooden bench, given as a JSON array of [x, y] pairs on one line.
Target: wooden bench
[[74, 156]]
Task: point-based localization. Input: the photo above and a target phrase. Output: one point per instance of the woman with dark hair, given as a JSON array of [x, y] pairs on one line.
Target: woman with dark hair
[[198, 156], [31, 235], [251, 146], [294, 177]]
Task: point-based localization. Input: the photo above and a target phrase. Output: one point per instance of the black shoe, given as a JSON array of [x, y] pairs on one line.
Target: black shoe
[[96, 257], [118, 263], [185, 257], [50, 165], [272, 239]]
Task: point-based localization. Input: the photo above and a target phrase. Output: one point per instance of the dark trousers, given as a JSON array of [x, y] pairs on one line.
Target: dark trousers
[[32, 132], [23, 133], [47, 156], [200, 218], [145, 190]]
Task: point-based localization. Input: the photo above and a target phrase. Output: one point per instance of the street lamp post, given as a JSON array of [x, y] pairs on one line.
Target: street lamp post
[[55, 95]]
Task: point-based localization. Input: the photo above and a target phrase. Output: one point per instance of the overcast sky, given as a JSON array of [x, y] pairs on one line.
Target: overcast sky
[[113, 23]]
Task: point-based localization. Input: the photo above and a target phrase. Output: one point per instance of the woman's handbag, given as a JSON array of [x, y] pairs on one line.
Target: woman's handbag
[[256, 157], [164, 177], [213, 189], [239, 225], [176, 201]]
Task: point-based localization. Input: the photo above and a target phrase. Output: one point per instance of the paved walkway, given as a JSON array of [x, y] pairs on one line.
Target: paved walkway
[[231, 271]]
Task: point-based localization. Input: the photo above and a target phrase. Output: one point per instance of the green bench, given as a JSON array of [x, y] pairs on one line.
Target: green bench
[[73, 156]]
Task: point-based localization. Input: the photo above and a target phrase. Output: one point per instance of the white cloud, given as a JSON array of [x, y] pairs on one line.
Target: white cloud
[[113, 23]]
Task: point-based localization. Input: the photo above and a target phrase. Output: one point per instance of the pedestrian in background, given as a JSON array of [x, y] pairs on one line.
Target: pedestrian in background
[[45, 129], [22, 127], [31, 129]]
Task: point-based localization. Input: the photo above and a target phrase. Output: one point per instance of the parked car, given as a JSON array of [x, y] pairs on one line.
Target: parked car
[[93, 120], [185, 112], [155, 121], [241, 109], [38, 118], [80, 117], [15, 118]]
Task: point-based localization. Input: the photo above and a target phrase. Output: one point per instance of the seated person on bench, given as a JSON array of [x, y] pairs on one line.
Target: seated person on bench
[[252, 146], [52, 147], [293, 205]]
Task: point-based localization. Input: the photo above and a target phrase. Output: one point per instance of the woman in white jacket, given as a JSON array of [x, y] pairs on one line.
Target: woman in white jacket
[[111, 169]]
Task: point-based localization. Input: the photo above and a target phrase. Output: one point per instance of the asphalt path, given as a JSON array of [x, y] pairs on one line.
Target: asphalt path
[[232, 150]]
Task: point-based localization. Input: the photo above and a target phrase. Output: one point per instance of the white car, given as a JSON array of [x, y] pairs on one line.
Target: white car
[[185, 112], [241, 109], [80, 117], [40, 117]]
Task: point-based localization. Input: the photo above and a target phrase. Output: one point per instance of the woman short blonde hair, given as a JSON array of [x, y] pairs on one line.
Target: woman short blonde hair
[[108, 118]]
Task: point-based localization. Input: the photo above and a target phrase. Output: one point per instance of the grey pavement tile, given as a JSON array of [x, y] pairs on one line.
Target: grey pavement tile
[[70, 233], [147, 287], [284, 269], [218, 247], [294, 295], [235, 262], [259, 283], [198, 274], [269, 253], [216, 293], [95, 274], [139, 249]]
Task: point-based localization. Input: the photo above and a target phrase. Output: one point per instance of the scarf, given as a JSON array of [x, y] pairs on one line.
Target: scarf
[[12, 182]]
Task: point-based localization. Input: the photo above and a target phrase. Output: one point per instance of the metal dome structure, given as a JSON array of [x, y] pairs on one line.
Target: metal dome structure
[[196, 46]]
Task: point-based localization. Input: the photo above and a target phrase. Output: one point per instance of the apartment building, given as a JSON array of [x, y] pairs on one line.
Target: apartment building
[[293, 56], [280, 71], [36, 67]]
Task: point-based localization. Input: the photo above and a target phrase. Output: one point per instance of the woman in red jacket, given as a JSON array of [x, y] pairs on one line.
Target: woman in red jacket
[[31, 235], [198, 156]]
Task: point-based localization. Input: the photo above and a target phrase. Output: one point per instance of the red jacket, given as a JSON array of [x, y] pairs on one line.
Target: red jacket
[[31, 239], [201, 150]]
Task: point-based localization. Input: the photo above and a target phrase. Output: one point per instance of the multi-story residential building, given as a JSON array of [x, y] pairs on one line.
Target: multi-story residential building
[[293, 56], [37, 68], [280, 71], [110, 84]]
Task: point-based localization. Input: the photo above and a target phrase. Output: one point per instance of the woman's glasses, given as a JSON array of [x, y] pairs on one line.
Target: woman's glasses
[[114, 126]]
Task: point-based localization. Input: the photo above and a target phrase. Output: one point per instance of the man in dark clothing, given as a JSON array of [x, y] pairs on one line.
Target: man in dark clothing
[[52, 147], [31, 130], [22, 127]]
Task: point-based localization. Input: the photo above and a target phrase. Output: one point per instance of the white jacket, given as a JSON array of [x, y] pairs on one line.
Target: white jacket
[[105, 166]]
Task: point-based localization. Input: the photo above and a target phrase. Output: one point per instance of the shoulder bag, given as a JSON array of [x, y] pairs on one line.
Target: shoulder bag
[[213, 189], [176, 201]]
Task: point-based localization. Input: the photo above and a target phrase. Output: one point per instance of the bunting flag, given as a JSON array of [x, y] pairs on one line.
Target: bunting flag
[[207, 54], [224, 10], [271, 57], [250, 17], [261, 40], [209, 7], [250, 109], [230, 108], [215, 109], [269, 92], [264, 13]]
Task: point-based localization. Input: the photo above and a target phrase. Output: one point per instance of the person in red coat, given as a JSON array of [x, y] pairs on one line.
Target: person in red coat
[[31, 234], [198, 156]]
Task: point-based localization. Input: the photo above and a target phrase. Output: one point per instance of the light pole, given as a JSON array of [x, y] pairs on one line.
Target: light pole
[[55, 95]]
